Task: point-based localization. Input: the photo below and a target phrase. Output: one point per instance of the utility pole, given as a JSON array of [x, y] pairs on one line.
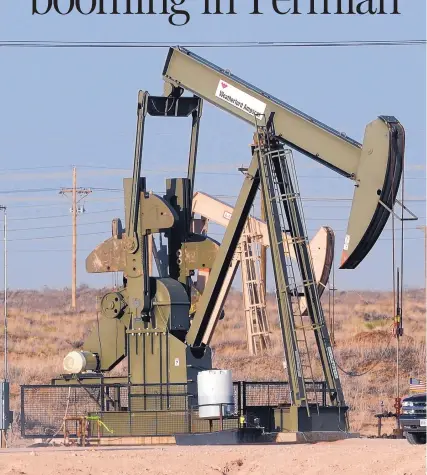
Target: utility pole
[[3, 208], [424, 228], [81, 193], [5, 386]]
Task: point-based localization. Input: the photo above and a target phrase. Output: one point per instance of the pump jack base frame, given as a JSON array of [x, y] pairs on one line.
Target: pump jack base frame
[[249, 436], [152, 412], [245, 436]]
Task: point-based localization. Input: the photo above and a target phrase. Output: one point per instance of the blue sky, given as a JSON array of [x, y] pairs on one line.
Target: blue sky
[[64, 107]]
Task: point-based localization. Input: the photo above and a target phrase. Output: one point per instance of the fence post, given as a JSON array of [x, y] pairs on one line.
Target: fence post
[[22, 411], [324, 393], [239, 398], [102, 389], [189, 415]]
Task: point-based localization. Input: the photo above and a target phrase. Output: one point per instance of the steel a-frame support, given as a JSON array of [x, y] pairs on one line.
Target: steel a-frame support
[[271, 168], [257, 175]]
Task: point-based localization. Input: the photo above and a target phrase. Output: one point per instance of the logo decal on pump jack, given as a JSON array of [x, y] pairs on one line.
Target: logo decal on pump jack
[[240, 99]]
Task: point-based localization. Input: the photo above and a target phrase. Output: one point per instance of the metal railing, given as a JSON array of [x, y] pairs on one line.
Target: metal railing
[[272, 393]]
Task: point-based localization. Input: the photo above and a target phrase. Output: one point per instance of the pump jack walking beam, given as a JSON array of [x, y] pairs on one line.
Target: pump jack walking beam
[[375, 166]]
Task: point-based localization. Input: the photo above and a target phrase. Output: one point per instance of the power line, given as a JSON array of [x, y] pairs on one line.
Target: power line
[[209, 44], [120, 190], [308, 198], [100, 167], [56, 226], [28, 190], [93, 223], [40, 238], [90, 250], [39, 190], [343, 205], [62, 215], [48, 250], [50, 202], [56, 237], [222, 173], [4, 174], [324, 177], [308, 218], [221, 234], [27, 218], [33, 168], [326, 199], [53, 205]]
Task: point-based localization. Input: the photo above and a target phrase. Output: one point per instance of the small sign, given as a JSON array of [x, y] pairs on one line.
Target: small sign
[[136, 303], [239, 99], [227, 215], [176, 361], [346, 242]]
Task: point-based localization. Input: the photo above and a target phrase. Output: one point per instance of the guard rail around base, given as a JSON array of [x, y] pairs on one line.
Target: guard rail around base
[[139, 410]]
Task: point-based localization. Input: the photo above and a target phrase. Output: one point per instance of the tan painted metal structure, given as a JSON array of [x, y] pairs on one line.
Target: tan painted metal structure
[[254, 296], [220, 212]]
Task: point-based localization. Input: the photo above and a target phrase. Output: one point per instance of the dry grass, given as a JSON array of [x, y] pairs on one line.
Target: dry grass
[[42, 329]]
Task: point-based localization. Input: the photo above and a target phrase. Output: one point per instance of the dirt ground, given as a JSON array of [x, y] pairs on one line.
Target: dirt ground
[[362, 456]]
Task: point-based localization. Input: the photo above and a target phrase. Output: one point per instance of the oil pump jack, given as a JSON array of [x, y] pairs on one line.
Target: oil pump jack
[[147, 320]]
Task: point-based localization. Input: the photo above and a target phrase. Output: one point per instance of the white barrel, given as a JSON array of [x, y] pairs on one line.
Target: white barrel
[[215, 390], [78, 361]]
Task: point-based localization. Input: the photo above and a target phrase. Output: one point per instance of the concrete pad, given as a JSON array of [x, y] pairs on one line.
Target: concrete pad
[[312, 437], [224, 439], [166, 440]]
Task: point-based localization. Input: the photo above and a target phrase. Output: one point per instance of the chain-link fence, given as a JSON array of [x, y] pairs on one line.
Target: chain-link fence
[[118, 410], [272, 394]]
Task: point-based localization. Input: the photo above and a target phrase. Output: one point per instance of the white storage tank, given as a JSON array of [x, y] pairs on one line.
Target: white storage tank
[[215, 388], [78, 361]]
